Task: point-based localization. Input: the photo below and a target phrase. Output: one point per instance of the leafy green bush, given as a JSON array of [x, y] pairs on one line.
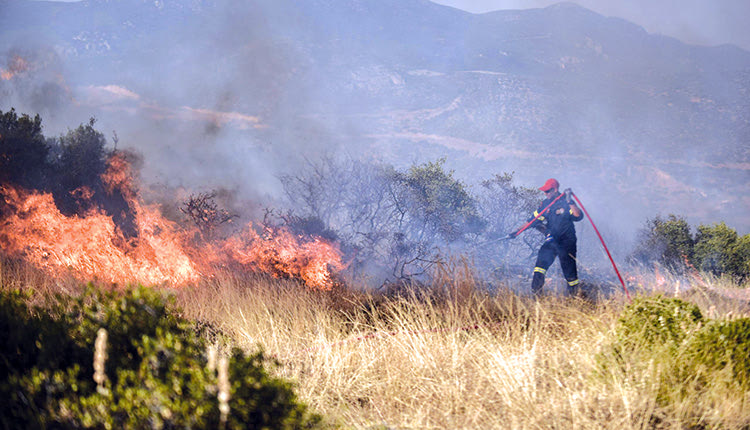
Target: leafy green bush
[[656, 321], [719, 346], [670, 351], [717, 248], [647, 340], [155, 372], [720, 250], [666, 241]]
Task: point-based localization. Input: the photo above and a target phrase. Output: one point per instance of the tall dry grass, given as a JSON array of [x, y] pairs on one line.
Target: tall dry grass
[[450, 357]]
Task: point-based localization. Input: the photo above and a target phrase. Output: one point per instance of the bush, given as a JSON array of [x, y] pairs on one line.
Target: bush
[[665, 241], [716, 249], [23, 151], [83, 157], [665, 345], [439, 204], [656, 321], [156, 373], [720, 346], [720, 250], [647, 340]]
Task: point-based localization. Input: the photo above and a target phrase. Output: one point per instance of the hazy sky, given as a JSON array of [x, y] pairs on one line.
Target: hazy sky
[[703, 22]]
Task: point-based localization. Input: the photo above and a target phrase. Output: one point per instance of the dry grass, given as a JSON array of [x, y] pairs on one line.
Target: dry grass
[[451, 358]]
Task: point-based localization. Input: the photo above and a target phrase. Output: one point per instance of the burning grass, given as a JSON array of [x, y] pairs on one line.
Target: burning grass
[[445, 355], [95, 244]]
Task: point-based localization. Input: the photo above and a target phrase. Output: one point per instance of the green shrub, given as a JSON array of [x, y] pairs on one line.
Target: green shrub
[[666, 241], [720, 346], [34, 339], [647, 340], [672, 353], [157, 371], [720, 250], [717, 248], [656, 321]]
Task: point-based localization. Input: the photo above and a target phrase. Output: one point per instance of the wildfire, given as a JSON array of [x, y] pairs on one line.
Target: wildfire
[[91, 245], [160, 252], [16, 65], [281, 254]]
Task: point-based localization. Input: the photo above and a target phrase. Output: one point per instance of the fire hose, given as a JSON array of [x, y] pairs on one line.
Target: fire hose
[[604, 245], [592, 224]]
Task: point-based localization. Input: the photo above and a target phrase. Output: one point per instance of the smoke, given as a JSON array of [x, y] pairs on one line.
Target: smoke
[[31, 78], [233, 95]]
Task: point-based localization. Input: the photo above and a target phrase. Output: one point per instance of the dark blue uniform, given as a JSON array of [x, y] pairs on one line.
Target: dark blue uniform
[[560, 241]]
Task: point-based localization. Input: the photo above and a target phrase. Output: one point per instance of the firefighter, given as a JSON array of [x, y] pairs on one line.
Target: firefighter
[[560, 236]]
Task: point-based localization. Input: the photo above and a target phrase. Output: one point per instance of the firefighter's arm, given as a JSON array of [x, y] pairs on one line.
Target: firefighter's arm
[[575, 211], [539, 223]]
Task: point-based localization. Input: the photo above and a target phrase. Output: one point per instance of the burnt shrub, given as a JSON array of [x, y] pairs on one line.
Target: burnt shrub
[[154, 371]]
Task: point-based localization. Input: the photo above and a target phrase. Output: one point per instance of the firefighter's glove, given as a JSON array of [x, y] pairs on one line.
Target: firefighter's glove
[[568, 195]]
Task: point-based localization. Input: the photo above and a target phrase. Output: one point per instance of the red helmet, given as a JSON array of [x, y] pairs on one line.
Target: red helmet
[[550, 184]]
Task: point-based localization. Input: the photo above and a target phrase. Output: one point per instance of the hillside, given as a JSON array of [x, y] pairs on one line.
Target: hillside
[[219, 92]]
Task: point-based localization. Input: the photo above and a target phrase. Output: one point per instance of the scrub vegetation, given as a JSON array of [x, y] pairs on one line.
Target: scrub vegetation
[[446, 342], [447, 355]]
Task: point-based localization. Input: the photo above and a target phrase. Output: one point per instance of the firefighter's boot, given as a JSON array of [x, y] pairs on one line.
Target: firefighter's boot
[[537, 283]]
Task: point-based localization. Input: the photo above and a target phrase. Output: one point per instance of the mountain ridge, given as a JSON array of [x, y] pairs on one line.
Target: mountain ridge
[[555, 80]]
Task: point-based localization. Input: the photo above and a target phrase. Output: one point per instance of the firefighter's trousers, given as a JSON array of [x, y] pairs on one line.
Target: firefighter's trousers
[[565, 249]]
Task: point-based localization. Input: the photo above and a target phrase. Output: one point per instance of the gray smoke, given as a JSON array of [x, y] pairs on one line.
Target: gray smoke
[[235, 101]]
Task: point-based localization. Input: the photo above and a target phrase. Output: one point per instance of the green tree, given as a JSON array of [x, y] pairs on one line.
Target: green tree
[[82, 157], [720, 250], [438, 205], [23, 151], [666, 241]]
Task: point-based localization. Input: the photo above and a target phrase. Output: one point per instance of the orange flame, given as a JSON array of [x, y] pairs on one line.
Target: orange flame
[[281, 254], [16, 65], [92, 246]]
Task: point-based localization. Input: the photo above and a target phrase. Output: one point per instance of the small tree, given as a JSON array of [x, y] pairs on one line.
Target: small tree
[[666, 241], [438, 206], [82, 157], [78, 161], [23, 150], [720, 250]]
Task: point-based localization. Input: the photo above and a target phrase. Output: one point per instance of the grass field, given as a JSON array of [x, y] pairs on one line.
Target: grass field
[[454, 356]]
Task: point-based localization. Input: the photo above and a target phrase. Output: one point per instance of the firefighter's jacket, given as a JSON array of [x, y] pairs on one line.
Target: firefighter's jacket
[[557, 221]]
